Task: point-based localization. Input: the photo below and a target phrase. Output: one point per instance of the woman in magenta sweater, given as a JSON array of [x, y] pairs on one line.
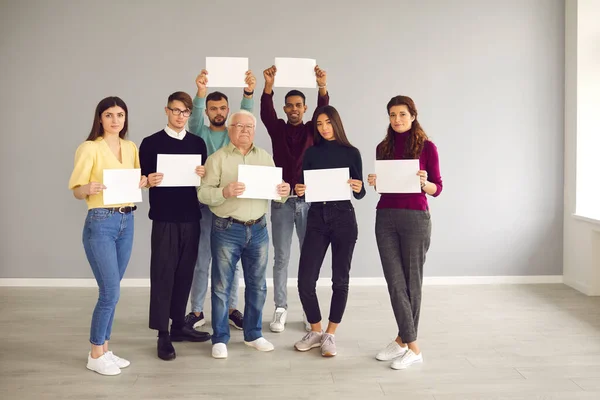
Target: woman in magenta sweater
[[403, 227]]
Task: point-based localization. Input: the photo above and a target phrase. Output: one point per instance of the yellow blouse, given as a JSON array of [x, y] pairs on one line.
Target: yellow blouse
[[92, 158]]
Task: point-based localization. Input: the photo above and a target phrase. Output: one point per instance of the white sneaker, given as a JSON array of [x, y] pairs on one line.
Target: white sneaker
[[393, 350], [219, 350], [121, 362], [261, 344], [102, 365], [409, 358], [307, 326], [309, 341], [279, 318]]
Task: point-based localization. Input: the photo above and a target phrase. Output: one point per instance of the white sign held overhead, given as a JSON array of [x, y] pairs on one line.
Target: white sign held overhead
[[295, 72], [226, 71]]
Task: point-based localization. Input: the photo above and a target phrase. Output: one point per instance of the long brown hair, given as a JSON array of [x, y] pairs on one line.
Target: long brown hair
[[106, 103], [416, 139], [336, 122]]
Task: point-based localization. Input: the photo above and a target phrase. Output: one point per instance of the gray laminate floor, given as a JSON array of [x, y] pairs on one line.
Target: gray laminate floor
[[479, 342]]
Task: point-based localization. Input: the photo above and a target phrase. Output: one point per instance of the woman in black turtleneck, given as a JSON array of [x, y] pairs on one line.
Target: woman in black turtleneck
[[330, 222]]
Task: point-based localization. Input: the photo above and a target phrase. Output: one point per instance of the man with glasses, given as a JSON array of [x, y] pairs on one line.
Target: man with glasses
[[215, 135], [290, 140], [239, 232], [175, 215]]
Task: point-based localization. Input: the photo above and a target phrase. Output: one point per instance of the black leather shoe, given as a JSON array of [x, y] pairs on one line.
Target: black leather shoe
[[187, 334], [165, 349]]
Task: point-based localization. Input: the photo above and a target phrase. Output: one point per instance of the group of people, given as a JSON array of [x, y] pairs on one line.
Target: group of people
[[197, 229]]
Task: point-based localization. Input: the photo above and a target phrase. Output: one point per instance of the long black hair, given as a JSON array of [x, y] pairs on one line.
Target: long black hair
[[106, 103], [336, 123]]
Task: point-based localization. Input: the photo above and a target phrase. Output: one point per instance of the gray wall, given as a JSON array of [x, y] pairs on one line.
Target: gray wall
[[487, 78]]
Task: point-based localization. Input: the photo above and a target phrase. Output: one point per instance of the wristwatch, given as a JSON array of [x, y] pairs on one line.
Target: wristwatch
[[248, 93]]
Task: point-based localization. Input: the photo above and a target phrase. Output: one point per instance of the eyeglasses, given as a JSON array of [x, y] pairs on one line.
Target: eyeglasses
[[177, 111], [240, 127]]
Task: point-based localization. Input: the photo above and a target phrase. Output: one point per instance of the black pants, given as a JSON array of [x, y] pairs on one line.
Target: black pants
[[174, 247], [403, 238], [328, 223]]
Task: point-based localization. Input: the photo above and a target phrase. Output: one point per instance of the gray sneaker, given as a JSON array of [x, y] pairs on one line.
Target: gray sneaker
[[328, 345], [311, 340]]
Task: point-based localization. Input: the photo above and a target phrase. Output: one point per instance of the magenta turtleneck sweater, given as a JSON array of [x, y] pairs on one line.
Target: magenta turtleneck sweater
[[428, 161]]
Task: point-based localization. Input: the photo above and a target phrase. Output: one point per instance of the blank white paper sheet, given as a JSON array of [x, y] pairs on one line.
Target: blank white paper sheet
[[260, 181], [327, 184], [397, 176], [226, 71], [122, 186], [295, 72], [178, 169]]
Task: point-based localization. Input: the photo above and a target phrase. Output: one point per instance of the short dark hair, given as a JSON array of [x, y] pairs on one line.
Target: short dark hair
[[104, 104], [295, 93], [216, 96], [182, 97]]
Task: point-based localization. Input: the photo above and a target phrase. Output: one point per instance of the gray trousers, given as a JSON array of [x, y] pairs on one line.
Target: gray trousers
[[403, 238]]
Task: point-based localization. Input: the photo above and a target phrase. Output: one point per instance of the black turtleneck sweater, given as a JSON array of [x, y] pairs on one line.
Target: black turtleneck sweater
[[330, 154]]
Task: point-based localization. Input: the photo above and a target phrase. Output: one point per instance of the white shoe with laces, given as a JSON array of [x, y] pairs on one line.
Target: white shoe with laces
[[279, 319], [393, 350], [103, 365], [121, 362], [409, 358], [261, 344]]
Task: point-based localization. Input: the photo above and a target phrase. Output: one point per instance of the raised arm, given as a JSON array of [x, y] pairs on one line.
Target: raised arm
[[323, 95], [323, 98], [248, 97], [268, 115], [196, 120]]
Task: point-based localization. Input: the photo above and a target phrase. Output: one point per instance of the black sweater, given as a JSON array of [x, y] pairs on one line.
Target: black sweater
[[171, 204], [331, 154]]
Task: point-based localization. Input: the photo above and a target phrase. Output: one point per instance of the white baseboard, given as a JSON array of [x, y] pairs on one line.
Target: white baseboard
[[492, 280], [579, 286], [428, 281]]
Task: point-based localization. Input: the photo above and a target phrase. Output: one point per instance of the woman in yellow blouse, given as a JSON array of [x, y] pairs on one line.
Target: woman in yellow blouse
[[108, 231]]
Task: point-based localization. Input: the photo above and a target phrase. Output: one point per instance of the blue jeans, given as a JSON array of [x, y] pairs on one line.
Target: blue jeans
[[231, 242], [283, 218], [107, 241], [200, 281]]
